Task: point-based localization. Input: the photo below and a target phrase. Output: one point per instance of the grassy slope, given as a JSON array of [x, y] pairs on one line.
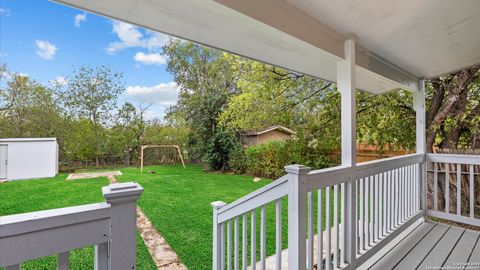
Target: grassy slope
[[177, 201], [34, 195]]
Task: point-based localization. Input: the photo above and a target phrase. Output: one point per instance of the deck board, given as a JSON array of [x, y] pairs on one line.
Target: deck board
[[475, 256], [401, 250], [461, 253], [430, 245], [442, 249], [421, 250]]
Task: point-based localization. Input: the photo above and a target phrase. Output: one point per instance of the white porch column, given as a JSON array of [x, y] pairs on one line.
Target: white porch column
[[419, 106], [346, 86]]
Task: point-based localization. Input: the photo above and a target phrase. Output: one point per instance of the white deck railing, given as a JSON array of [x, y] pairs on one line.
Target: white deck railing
[[387, 194], [110, 226], [451, 170]]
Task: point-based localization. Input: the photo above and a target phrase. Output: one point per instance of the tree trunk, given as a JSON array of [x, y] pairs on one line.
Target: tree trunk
[[449, 99]]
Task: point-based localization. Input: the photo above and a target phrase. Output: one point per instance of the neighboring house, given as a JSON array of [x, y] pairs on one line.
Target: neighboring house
[[273, 133], [25, 158]]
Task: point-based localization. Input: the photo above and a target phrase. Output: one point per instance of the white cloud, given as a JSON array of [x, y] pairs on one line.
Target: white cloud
[[130, 36], [150, 58], [164, 94], [45, 49], [59, 80], [4, 11], [79, 18]]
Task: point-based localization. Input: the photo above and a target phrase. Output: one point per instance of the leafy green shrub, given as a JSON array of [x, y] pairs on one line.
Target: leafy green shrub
[[238, 160], [269, 159], [217, 149]]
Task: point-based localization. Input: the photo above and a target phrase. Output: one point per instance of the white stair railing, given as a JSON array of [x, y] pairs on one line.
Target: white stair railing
[[110, 226], [455, 171], [243, 213], [387, 196]]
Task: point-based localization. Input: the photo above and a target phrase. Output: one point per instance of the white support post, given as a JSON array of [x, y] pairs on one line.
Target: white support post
[[419, 106], [101, 257], [346, 86], [297, 182], [123, 200], [217, 237], [63, 261]]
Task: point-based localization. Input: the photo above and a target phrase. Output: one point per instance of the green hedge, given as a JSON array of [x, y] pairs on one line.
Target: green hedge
[[269, 159]]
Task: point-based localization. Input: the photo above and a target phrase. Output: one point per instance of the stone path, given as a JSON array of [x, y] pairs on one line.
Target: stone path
[[74, 176], [162, 254]]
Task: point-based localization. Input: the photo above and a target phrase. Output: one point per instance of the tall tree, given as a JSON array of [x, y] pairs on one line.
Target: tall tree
[[92, 93], [129, 129], [206, 83]]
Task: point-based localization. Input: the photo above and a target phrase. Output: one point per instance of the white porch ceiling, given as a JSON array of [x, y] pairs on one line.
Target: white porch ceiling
[[399, 41]]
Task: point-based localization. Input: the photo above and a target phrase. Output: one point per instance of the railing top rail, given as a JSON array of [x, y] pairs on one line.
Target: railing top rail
[[41, 220], [256, 193], [383, 165], [455, 158], [380, 162], [328, 177]]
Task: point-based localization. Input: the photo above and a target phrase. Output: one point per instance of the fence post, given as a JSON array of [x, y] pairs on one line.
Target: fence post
[[217, 250], [123, 200], [297, 186]]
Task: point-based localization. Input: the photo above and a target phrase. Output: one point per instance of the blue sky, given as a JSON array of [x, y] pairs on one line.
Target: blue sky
[[47, 41]]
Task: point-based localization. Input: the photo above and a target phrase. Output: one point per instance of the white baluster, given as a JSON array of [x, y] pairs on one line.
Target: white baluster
[[244, 241], [253, 241], [472, 195], [328, 248], [435, 186], [263, 237], [361, 231], [335, 227], [310, 230], [447, 188], [235, 252], [229, 245], [459, 189], [278, 221], [320, 230], [63, 261]]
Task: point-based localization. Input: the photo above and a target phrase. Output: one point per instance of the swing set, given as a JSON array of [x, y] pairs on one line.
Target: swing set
[[159, 146]]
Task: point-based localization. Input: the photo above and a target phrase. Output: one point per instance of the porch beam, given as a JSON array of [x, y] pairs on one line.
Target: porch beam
[[346, 86], [274, 32]]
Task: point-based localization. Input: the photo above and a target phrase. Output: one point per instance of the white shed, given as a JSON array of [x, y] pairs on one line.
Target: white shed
[[24, 158]]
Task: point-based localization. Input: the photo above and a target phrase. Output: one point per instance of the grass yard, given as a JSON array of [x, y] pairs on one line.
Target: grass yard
[[177, 201], [34, 195]]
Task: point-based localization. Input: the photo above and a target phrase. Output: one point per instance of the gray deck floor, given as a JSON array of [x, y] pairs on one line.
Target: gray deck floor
[[434, 246]]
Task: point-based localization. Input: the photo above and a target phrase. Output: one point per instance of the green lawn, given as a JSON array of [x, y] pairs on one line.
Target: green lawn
[[176, 200], [34, 195]]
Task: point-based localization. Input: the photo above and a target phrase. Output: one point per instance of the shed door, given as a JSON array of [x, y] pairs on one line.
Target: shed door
[[3, 161]]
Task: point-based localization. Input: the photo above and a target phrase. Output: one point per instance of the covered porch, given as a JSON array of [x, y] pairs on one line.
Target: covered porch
[[366, 215]]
